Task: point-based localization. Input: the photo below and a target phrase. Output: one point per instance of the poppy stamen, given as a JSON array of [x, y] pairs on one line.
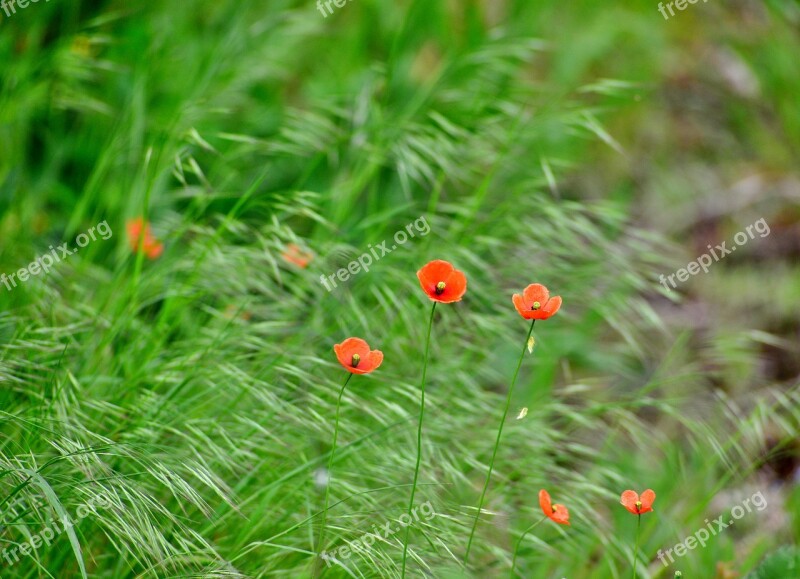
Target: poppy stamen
[[536, 306], [440, 288], [638, 505], [356, 360]]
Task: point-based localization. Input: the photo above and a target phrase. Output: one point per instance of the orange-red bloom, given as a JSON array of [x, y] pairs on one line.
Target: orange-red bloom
[[150, 245], [557, 513], [535, 303], [442, 282], [636, 504], [297, 256], [354, 354]]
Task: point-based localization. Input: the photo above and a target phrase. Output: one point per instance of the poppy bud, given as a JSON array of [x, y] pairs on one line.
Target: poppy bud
[[678, 574], [440, 288], [356, 360]]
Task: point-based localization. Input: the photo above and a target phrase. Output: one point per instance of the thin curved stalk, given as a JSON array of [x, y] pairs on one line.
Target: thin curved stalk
[[636, 549], [497, 443], [519, 542], [330, 464], [419, 437]]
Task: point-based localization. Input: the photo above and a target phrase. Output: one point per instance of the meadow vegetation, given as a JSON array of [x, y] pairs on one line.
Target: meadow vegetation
[[588, 146]]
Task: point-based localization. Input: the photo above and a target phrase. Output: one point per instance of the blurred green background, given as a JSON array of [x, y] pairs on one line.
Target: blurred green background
[[592, 147]]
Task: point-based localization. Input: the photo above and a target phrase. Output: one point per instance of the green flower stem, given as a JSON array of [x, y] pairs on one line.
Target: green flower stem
[[497, 443], [519, 542], [330, 464], [636, 549], [419, 437]]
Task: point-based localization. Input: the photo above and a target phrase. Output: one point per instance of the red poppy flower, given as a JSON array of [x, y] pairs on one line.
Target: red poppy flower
[[297, 256], [150, 245], [557, 513], [354, 354], [636, 504], [442, 282], [535, 303]]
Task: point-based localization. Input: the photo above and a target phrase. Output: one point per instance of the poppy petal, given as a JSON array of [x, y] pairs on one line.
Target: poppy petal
[[134, 227], [536, 292], [153, 250], [551, 307], [374, 359], [439, 271], [545, 502], [434, 272], [369, 359], [560, 514], [350, 347], [629, 500], [647, 499], [455, 287], [519, 303], [139, 232], [295, 255]]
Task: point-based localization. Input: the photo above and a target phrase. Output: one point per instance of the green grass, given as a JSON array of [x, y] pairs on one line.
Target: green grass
[[583, 146]]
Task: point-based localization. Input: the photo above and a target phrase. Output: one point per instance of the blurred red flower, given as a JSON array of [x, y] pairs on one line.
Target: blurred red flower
[[442, 282], [151, 247], [535, 303], [354, 354], [297, 256], [638, 505], [557, 513]]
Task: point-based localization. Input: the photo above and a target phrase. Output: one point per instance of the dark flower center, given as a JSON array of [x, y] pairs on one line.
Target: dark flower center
[[440, 288], [355, 361]]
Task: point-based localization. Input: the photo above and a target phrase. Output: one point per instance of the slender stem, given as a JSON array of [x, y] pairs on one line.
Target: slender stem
[[329, 472], [419, 436], [497, 443], [519, 542], [636, 549]]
